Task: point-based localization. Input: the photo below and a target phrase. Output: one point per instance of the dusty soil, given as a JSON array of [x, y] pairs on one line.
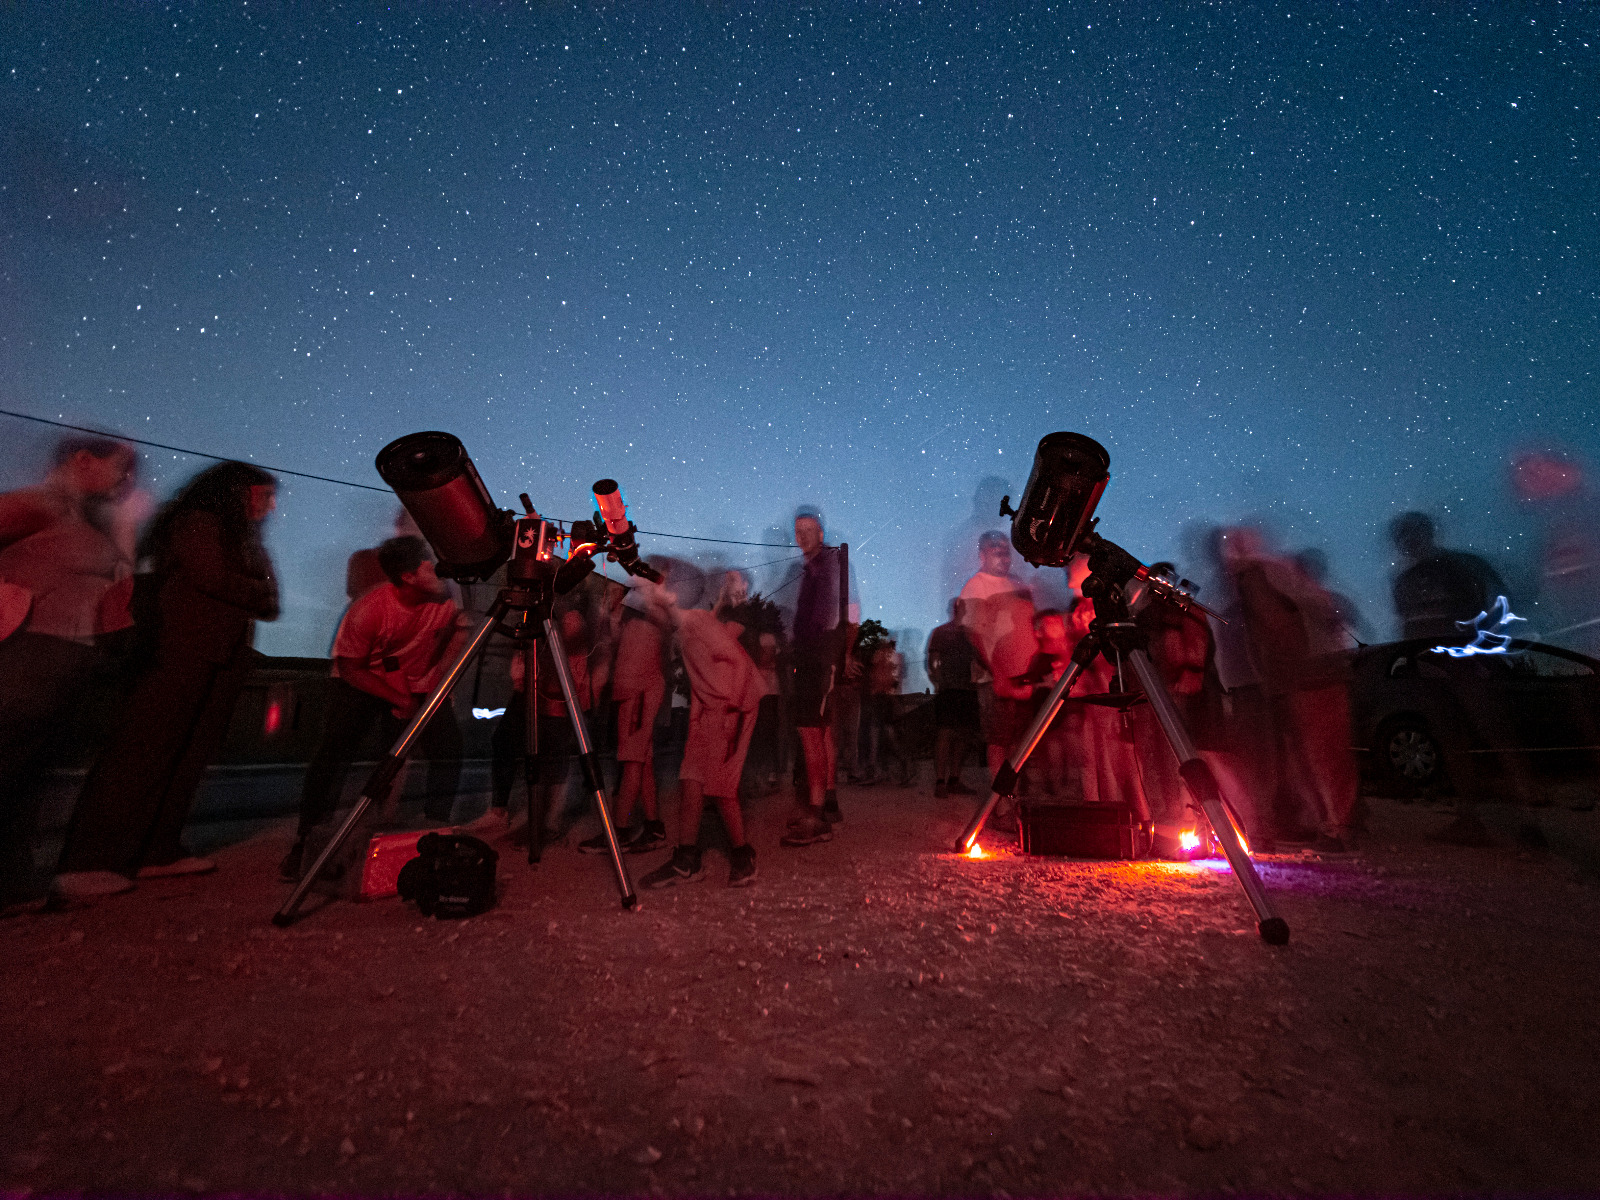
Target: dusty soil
[[874, 1015]]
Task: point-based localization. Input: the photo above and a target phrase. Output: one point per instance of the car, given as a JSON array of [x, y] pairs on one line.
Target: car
[[1409, 699]]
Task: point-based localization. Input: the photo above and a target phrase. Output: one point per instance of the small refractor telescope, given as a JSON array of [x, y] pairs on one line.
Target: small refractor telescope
[[1055, 522]]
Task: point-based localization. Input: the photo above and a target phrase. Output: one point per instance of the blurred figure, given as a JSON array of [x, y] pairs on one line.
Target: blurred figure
[[990, 614], [1180, 648], [544, 772], [1438, 587], [392, 648], [1056, 768], [1295, 642], [1011, 702], [952, 662], [1357, 632], [1108, 766], [363, 571], [212, 582], [884, 669], [819, 640], [638, 686], [725, 694], [58, 560], [733, 591], [1556, 489]]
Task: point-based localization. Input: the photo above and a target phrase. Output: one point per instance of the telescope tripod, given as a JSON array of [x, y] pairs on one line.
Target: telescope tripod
[[529, 594], [1114, 633]]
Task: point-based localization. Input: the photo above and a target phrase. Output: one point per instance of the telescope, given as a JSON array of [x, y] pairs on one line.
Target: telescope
[[1055, 522], [471, 536]]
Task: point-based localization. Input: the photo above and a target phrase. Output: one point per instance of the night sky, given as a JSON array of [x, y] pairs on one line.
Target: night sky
[[1302, 263]]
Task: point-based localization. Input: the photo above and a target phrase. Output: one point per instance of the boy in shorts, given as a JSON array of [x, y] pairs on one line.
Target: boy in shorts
[[725, 694]]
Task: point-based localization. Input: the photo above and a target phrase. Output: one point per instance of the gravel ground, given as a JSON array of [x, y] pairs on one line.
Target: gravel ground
[[874, 1015]]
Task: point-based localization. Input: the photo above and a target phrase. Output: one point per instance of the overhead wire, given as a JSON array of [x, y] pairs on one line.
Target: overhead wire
[[367, 487]]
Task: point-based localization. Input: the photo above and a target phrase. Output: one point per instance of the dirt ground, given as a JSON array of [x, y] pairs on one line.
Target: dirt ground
[[874, 1015]]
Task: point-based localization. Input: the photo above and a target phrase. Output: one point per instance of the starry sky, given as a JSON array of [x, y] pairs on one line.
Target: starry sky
[[1304, 264]]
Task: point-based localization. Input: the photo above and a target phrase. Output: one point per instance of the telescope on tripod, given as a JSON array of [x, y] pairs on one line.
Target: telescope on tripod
[[472, 537], [1053, 523]]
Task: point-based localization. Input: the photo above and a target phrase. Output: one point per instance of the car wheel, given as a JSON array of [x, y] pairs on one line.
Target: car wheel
[[1407, 752]]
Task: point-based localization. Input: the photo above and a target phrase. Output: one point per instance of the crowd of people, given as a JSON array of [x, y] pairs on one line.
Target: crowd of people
[[740, 692]]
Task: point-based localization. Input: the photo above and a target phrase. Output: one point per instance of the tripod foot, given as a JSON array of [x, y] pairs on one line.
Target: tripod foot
[[630, 902], [1275, 931], [282, 920]]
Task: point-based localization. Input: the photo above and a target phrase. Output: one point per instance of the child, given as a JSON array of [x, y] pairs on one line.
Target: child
[[725, 695], [638, 685]]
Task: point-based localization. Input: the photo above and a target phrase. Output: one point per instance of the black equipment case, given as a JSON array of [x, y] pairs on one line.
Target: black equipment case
[[1084, 830]]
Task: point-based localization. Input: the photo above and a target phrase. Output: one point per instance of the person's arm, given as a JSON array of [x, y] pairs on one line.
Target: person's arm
[[357, 674], [196, 550], [22, 515]]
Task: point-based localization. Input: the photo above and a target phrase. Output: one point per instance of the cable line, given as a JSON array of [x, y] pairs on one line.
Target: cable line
[[366, 487]]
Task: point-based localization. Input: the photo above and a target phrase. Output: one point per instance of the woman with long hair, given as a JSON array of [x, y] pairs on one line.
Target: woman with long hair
[[208, 581]]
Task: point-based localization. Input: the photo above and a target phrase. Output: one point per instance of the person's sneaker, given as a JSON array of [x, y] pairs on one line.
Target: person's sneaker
[[683, 866], [806, 830], [830, 808], [652, 835], [742, 866], [956, 788], [597, 844], [940, 791], [89, 885], [293, 862], [192, 865]]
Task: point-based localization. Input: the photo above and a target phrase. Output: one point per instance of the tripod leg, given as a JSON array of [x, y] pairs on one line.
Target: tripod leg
[[530, 749], [1203, 787], [383, 776], [1005, 779], [590, 760]]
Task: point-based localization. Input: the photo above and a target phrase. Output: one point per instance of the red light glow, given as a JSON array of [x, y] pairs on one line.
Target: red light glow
[[273, 719], [976, 851], [1189, 840]]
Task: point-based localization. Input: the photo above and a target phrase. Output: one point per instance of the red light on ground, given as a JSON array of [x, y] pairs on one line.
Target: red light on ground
[[976, 851], [1189, 841], [273, 719]]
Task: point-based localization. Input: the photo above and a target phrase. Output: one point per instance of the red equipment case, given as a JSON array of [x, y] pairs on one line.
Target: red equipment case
[[386, 854]]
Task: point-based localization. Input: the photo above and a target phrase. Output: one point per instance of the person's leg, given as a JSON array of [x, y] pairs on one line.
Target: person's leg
[[440, 741], [691, 807], [350, 715], [163, 844], [944, 744], [820, 762], [506, 748], [732, 819], [39, 678], [121, 803]]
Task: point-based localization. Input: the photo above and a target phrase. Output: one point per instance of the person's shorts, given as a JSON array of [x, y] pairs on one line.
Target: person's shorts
[[714, 756], [956, 709], [814, 672], [1008, 721], [636, 723]]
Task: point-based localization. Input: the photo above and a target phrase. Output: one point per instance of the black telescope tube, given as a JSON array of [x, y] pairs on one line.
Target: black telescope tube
[[1069, 473], [436, 481]]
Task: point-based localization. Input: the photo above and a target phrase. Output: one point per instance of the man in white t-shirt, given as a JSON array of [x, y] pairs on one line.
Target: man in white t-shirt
[[392, 648]]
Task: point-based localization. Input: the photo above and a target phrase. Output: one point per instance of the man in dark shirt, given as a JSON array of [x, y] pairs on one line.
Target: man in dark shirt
[[818, 651], [1439, 587], [950, 661]]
